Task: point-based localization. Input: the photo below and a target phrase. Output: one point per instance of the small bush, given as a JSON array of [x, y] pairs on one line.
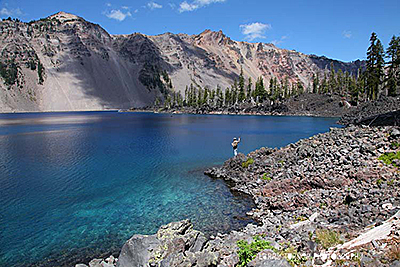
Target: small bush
[[265, 177], [388, 158], [395, 145], [328, 238], [247, 252], [247, 163], [394, 253]]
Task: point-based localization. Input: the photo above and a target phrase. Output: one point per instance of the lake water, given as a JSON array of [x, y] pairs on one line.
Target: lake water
[[78, 185]]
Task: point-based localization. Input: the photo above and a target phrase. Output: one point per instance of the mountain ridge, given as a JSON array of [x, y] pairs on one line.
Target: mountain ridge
[[64, 62]]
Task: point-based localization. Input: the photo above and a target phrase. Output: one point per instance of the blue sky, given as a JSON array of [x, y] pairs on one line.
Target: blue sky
[[337, 29]]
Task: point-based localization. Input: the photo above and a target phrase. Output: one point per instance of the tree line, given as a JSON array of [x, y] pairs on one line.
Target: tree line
[[378, 77]]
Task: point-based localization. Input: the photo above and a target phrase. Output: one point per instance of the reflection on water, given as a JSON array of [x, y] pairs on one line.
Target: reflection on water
[[76, 185]]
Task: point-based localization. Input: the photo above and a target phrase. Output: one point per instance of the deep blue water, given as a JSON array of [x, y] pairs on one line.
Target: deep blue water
[[76, 185]]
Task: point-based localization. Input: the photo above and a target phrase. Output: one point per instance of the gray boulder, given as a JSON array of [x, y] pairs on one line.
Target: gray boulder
[[175, 244], [137, 251]]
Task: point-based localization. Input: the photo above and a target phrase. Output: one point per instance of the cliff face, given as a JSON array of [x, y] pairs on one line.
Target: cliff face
[[66, 63]]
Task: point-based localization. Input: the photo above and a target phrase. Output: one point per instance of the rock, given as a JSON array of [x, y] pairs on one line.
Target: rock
[[395, 133], [175, 244], [136, 251], [81, 265], [268, 258]]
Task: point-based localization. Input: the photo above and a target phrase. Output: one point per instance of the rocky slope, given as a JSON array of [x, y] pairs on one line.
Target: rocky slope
[[312, 196], [66, 63], [373, 113]]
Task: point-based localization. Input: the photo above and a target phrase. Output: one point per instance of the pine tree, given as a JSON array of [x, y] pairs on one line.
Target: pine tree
[[199, 98], [220, 97], [227, 97], [375, 63], [393, 78], [242, 93], [332, 80], [315, 85], [286, 93], [300, 88], [340, 82], [360, 84], [259, 91], [271, 88], [249, 85]]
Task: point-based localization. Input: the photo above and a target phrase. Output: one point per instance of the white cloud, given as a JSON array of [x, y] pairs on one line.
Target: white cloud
[[185, 6], [108, 4], [153, 5], [126, 7], [10, 12], [347, 34], [255, 30], [136, 11], [118, 14]]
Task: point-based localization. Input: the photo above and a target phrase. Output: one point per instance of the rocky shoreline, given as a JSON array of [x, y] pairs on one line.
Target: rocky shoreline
[[303, 105], [381, 112], [311, 196]]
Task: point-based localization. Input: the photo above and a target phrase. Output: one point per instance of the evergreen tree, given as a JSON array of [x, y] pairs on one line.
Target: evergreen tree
[[324, 85], [199, 98], [271, 88], [393, 78], [332, 80], [300, 88], [220, 97], [242, 92], [206, 96], [227, 97], [360, 84], [185, 102], [286, 93], [259, 91], [340, 82], [375, 63], [249, 85], [315, 85]]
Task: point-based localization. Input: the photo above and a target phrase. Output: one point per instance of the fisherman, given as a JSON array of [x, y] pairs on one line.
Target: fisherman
[[235, 143]]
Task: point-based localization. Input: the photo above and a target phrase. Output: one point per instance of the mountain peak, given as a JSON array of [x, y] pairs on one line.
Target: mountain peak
[[209, 36], [63, 16]]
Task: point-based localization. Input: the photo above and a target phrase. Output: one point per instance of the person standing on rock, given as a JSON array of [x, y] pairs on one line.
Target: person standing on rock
[[235, 144]]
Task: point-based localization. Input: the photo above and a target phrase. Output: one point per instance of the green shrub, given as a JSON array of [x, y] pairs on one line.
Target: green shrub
[[395, 145], [388, 158], [327, 238], [266, 178], [247, 252], [247, 163]]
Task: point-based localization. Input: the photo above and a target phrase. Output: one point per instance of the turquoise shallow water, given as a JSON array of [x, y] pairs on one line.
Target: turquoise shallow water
[[77, 185]]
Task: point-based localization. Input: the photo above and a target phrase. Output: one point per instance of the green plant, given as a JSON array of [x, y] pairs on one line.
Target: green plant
[[395, 145], [247, 252], [322, 205], [391, 182], [247, 163], [291, 254], [266, 178], [379, 181], [388, 158], [327, 238], [300, 218]]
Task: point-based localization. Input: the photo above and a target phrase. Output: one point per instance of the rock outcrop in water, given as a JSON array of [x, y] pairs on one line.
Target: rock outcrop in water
[[330, 200], [64, 62]]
